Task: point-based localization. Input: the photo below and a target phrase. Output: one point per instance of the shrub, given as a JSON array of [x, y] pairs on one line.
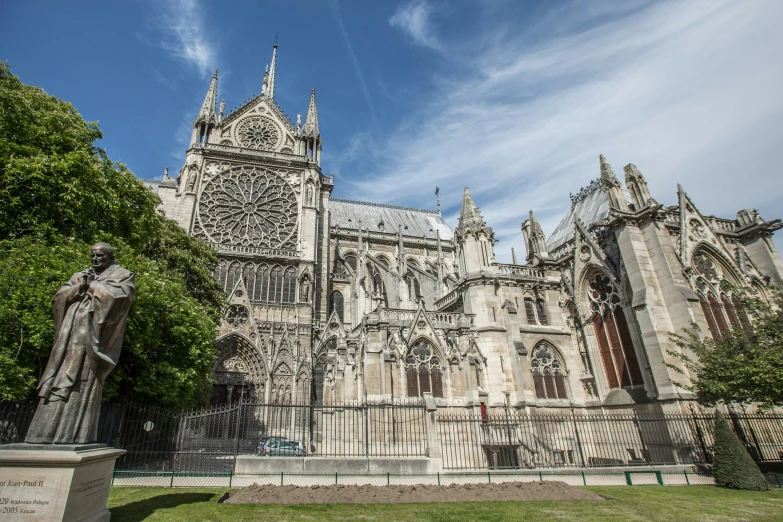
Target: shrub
[[732, 466]]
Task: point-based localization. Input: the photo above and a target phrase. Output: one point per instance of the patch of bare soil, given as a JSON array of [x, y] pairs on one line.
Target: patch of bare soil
[[345, 494]]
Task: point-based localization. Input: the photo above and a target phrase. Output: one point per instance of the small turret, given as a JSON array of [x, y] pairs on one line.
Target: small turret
[[612, 186], [475, 240], [535, 240], [310, 131], [206, 119], [637, 186]]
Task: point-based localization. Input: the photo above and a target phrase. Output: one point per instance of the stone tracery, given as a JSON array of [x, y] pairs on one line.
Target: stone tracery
[[257, 132], [249, 206]]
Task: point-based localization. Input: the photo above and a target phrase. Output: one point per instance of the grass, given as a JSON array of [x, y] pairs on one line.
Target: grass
[[624, 504]]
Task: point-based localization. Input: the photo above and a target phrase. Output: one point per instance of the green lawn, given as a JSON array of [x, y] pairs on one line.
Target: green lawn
[[624, 504]]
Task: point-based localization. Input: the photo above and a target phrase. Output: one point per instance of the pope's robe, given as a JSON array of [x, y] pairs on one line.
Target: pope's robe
[[89, 329]]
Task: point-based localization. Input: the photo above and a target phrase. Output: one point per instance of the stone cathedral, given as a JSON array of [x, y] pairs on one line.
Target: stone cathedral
[[333, 301]]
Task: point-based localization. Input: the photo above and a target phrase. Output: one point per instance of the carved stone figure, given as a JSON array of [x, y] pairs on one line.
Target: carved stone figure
[[90, 313]]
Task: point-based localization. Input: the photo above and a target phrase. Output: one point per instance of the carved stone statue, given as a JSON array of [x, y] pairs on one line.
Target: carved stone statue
[[90, 313]]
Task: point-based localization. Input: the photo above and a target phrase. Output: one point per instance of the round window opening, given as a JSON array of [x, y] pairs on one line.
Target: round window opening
[[237, 315]]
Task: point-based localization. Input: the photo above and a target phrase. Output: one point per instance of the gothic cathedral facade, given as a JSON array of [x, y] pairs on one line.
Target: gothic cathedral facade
[[333, 300]]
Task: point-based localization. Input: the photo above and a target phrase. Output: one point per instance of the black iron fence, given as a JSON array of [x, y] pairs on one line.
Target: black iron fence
[[209, 440], [16, 416], [518, 440]]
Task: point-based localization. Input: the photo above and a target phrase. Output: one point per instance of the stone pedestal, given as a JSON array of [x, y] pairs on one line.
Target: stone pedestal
[[53, 482]]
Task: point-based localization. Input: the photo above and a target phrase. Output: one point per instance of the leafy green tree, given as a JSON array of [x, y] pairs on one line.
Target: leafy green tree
[[58, 195], [745, 364], [732, 465]]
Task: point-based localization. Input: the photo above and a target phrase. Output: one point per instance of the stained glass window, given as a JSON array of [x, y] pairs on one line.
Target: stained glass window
[[423, 372]]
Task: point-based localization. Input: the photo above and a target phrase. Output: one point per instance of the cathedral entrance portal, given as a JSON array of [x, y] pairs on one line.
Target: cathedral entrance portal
[[240, 371]]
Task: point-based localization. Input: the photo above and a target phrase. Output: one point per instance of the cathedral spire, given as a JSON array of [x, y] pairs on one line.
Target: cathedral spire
[[268, 87], [475, 239], [607, 174], [612, 186], [469, 216], [637, 186], [207, 113], [310, 128], [206, 119]]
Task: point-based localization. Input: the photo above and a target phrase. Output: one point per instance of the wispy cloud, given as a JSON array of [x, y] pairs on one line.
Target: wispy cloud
[[334, 5], [183, 34], [413, 19], [688, 91]]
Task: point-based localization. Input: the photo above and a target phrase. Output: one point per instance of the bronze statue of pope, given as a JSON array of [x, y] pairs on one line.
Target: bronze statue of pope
[[90, 313]]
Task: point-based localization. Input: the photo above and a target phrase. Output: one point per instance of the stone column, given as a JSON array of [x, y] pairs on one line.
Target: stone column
[[431, 427]]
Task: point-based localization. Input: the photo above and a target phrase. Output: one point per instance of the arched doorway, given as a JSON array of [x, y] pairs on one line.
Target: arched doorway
[[239, 371]]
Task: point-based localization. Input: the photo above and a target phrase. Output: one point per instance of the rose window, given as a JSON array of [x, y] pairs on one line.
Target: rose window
[[706, 267], [249, 206], [602, 293], [258, 133], [237, 315], [421, 357]]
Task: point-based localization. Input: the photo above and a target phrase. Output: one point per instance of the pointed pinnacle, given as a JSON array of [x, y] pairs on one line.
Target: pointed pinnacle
[[606, 169]]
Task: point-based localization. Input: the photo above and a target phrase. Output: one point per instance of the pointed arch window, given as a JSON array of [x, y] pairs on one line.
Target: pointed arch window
[[234, 273], [536, 312], [317, 388], [262, 285], [476, 367], [350, 260], [289, 286], [383, 261], [548, 371], [414, 288], [728, 306], [614, 338], [722, 310], [220, 274], [423, 371], [336, 304], [740, 312], [276, 285]]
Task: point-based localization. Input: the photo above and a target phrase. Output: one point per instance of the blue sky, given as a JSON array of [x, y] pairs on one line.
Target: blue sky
[[514, 99]]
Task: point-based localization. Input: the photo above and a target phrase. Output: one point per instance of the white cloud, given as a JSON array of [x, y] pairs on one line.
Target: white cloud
[[413, 18], [688, 91], [184, 35]]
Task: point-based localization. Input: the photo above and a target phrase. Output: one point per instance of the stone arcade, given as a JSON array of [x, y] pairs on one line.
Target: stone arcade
[[334, 300]]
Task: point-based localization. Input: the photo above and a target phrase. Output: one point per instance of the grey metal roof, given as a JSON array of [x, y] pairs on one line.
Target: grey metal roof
[[589, 206], [415, 222]]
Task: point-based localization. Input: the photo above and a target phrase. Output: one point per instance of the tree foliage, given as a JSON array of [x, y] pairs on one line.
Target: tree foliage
[[745, 364], [58, 195], [732, 465]]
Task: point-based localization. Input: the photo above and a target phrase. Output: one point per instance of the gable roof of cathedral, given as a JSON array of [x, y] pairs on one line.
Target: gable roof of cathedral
[[376, 217], [589, 205]]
